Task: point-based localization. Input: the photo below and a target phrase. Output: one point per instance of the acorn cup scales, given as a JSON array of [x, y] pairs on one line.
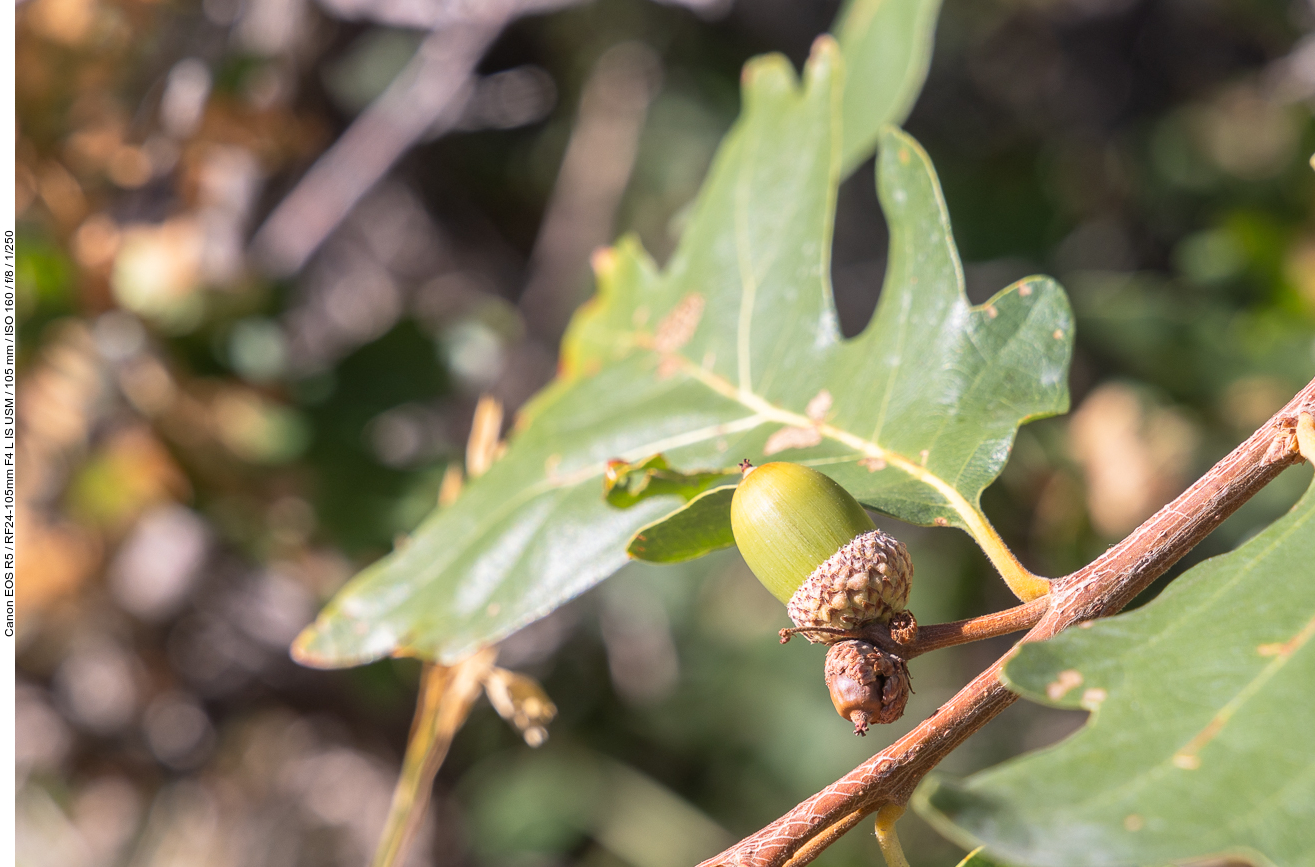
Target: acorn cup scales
[[814, 547]]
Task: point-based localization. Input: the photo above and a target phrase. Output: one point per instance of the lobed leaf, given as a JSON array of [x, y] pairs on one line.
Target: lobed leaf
[[1200, 741], [732, 352]]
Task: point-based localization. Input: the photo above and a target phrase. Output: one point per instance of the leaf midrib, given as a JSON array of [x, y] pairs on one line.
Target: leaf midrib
[[771, 412]]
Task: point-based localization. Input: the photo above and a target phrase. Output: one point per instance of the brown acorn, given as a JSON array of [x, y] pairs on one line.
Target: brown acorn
[[816, 549], [867, 684]]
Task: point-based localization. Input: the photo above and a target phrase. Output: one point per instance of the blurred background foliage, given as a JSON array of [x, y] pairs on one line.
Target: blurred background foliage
[[230, 399]]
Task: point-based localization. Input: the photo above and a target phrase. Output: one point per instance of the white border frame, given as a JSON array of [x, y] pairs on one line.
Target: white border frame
[[8, 315]]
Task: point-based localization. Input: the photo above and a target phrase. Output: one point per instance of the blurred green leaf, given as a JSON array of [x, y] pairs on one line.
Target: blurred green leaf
[[43, 278], [1200, 741], [733, 351], [699, 527], [543, 803], [887, 47], [627, 483]]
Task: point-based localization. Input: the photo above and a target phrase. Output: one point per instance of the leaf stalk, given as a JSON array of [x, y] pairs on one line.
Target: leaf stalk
[[446, 696], [891, 849]]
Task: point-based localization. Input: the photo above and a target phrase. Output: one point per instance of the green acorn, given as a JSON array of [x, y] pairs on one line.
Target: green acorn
[[811, 544]]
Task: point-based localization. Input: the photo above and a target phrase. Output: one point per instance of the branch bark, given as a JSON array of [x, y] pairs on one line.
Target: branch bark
[[1099, 589]]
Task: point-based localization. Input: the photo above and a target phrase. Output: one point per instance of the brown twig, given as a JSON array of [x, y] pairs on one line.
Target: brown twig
[[938, 635], [447, 693], [411, 105], [1100, 589], [595, 170], [423, 99], [446, 697]]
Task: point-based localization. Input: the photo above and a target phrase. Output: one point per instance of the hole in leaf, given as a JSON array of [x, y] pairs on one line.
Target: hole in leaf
[[858, 250]]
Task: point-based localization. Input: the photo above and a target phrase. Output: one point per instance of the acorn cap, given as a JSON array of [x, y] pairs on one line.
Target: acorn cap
[[789, 520], [867, 579]]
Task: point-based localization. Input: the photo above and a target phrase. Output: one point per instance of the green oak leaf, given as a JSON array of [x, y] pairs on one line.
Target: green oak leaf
[[887, 46], [1200, 742], [730, 352], [699, 527], [626, 483]]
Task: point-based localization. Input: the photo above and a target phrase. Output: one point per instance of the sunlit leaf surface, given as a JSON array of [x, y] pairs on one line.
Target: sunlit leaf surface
[[732, 351], [1201, 740]]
